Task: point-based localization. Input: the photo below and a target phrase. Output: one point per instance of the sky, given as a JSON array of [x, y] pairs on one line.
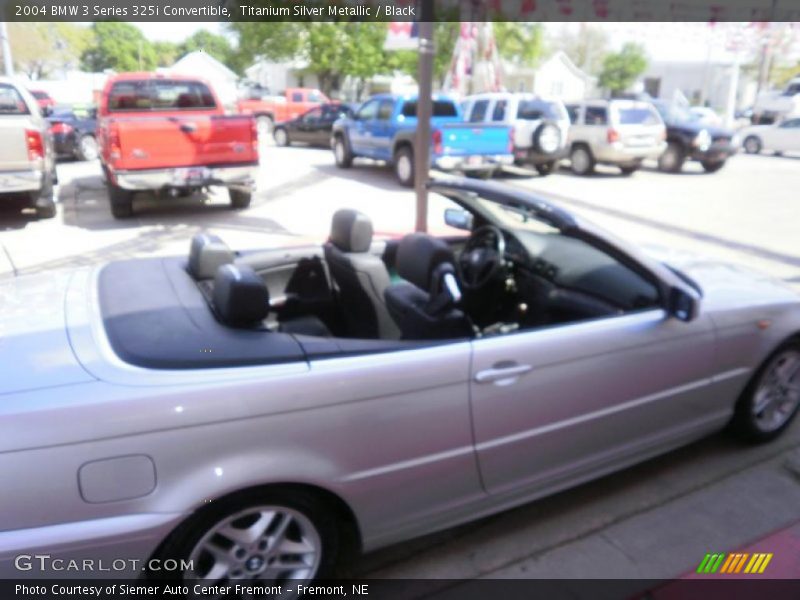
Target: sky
[[175, 31]]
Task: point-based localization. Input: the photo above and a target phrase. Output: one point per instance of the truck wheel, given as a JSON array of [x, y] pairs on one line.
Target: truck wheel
[[630, 169], [546, 168], [342, 154], [673, 158], [752, 144], [582, 161], [45, 205], [264, 124], [121, 202], [404, 166], [281, 137], [239, 198], [87, 148], [712, 167]]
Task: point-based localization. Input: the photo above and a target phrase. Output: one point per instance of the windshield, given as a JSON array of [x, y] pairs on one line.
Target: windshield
[[11, 103], [674, 112]]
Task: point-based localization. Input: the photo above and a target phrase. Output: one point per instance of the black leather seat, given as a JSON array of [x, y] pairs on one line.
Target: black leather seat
[[360, 276], [241, 299], [426, 307]]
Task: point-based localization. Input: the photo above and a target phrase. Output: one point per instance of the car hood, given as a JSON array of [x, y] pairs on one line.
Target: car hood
[[695, 128], [35, 350]]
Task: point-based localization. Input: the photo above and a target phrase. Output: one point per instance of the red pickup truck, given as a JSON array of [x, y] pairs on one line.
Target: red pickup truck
[[170, 133], [286, 106]]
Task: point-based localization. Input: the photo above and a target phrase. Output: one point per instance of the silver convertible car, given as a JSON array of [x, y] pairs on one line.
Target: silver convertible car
[[261, 414]]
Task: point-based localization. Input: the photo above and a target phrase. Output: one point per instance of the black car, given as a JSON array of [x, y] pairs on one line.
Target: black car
[[687, 139], [313, 127], [74, 134]]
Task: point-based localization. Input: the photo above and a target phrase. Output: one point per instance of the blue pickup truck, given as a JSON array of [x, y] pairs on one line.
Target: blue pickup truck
[[384, 128]]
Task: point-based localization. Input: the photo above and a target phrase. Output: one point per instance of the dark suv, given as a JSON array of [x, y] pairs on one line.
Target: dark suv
[[687, 139]]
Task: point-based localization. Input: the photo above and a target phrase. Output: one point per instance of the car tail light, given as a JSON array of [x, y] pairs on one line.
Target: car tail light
[[114, 148], [35, 144], [612, 135], [254, 136], [511, 140], [663, 134], [60, 128], [437, 141]]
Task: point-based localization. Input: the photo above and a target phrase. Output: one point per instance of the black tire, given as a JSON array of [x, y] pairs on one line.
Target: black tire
[[581, 159], [86, 148], [46, 209], [628, 170], [745, 422], [121, 202], [752, 144], [281, 137], [712, 167], [671, 161], [547, 128], [182, 541], [240, 198], [546, 168], [404, 166], [341, 152]]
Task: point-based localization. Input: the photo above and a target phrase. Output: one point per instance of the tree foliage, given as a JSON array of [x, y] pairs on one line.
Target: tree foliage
[[586, 47], [119, 46], [621, 69], [213, 44], [41, 48], [519, 43]]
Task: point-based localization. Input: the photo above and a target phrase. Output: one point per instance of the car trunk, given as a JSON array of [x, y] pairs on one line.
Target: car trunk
[[182, 141], [464, 139], [637, 124], [35, 350]]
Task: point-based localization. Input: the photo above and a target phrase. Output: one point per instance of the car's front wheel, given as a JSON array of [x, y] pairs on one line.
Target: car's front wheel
[[752, 144], [772, 397], [673, 158], [404, 166], [87, 148], [270, 536], [342, 154], [581, 160], [281, 137], [712, 167]]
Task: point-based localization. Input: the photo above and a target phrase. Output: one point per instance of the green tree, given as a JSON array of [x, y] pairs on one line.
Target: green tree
[[40, 48], [119, 46], [622, 68], [166, 53], [213, 44], [586, 47], [520, 43]]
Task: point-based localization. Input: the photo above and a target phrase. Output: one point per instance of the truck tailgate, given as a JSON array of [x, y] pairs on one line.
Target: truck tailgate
[[13, 148], [201, 140], [461, 139]]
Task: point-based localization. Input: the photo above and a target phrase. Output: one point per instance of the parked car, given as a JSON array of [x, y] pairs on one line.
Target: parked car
[[777, 105], [780, 137], [218, 408], [74, 136], [616, 132], [284, 106], [170, 133], [689, 139], [540, 125], [705, 116], [27, 161], [45, 102], [384, 128], [313, 127]]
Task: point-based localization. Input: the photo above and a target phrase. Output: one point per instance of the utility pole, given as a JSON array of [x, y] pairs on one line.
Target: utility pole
[[5, 45], [424, 112]]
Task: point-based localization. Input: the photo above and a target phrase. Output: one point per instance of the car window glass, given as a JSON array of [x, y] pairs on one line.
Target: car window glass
[[11, 102], [791, 123], [479, 111], [573, 111], [385, 110], [499, 112], [637, 115], [313, 115], [441, 108], [160, 95], [596, 115], [314, 96], [533, 110], [368, 111], [297, 96]]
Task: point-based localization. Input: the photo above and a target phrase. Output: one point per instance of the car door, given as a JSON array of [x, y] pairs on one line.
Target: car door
[[566, 402], [307, 125], [361, 132], [382, 130], [786, 136]]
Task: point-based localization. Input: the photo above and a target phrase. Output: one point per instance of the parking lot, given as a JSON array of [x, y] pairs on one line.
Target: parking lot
[[656, 520]]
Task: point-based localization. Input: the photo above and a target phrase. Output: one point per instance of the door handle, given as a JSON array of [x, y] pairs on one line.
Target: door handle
[[189, 127], [502, 373]]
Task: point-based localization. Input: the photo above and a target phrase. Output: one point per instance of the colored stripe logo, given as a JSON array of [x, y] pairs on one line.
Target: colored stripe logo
[[735, 562]]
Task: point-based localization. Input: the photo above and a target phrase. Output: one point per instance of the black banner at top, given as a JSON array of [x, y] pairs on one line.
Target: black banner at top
[[400, 10]]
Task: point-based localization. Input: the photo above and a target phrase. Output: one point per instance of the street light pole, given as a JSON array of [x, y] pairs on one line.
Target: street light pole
[[424, 112], [5, 45]]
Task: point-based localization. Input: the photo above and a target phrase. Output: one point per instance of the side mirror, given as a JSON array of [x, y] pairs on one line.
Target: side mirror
[[460, 219], [682, 305]]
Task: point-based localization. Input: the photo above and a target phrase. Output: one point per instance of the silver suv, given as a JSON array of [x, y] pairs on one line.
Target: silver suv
[[615, 132]]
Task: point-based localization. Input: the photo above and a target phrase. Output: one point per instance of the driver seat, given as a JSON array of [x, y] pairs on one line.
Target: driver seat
[[426, 307]]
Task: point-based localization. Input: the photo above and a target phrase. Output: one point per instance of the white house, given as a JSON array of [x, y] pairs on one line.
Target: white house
[[277, 76], [204, 65], [559, 77]]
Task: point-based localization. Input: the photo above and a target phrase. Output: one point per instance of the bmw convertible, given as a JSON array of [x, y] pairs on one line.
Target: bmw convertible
[[263, 414]]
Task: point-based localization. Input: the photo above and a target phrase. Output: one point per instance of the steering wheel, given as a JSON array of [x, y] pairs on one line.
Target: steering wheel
[[482, 257]]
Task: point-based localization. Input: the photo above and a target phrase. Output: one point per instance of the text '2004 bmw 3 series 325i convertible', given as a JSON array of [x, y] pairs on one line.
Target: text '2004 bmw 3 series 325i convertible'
[[251, 412]]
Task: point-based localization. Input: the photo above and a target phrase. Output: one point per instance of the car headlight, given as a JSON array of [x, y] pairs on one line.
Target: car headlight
[[702, 141]]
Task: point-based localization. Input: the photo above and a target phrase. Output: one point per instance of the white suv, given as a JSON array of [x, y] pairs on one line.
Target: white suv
[[616, 132], [540, 125]]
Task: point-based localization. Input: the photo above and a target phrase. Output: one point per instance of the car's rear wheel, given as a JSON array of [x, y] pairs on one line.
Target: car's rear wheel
[[264, 124], [671, 161], [630, 169], [546, 168], [771, 399], [121, 202], [581, 160], [404, 166], [752, 144], [45, 206], [281, 137], [342, 154], [712, 167], [87, 148], [270, 536], [240, 198]]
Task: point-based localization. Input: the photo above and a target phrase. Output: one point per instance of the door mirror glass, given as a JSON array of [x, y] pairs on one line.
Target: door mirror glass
[[682, 305], [457, 218]]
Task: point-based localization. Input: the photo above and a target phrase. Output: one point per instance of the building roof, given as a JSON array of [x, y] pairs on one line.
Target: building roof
[[202, 62]]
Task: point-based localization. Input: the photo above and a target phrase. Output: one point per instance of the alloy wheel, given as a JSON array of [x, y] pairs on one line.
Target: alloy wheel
[[778, 394]]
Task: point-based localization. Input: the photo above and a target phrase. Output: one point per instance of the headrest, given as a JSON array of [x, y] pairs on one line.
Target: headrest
[[206, 255], [422, 259], [351, 231], [240, 295]]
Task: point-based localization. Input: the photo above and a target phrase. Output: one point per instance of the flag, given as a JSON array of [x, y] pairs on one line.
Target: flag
[[402, 35]]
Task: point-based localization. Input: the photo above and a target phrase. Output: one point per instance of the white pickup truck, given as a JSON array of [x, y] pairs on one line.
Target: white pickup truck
[[27, 161]]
